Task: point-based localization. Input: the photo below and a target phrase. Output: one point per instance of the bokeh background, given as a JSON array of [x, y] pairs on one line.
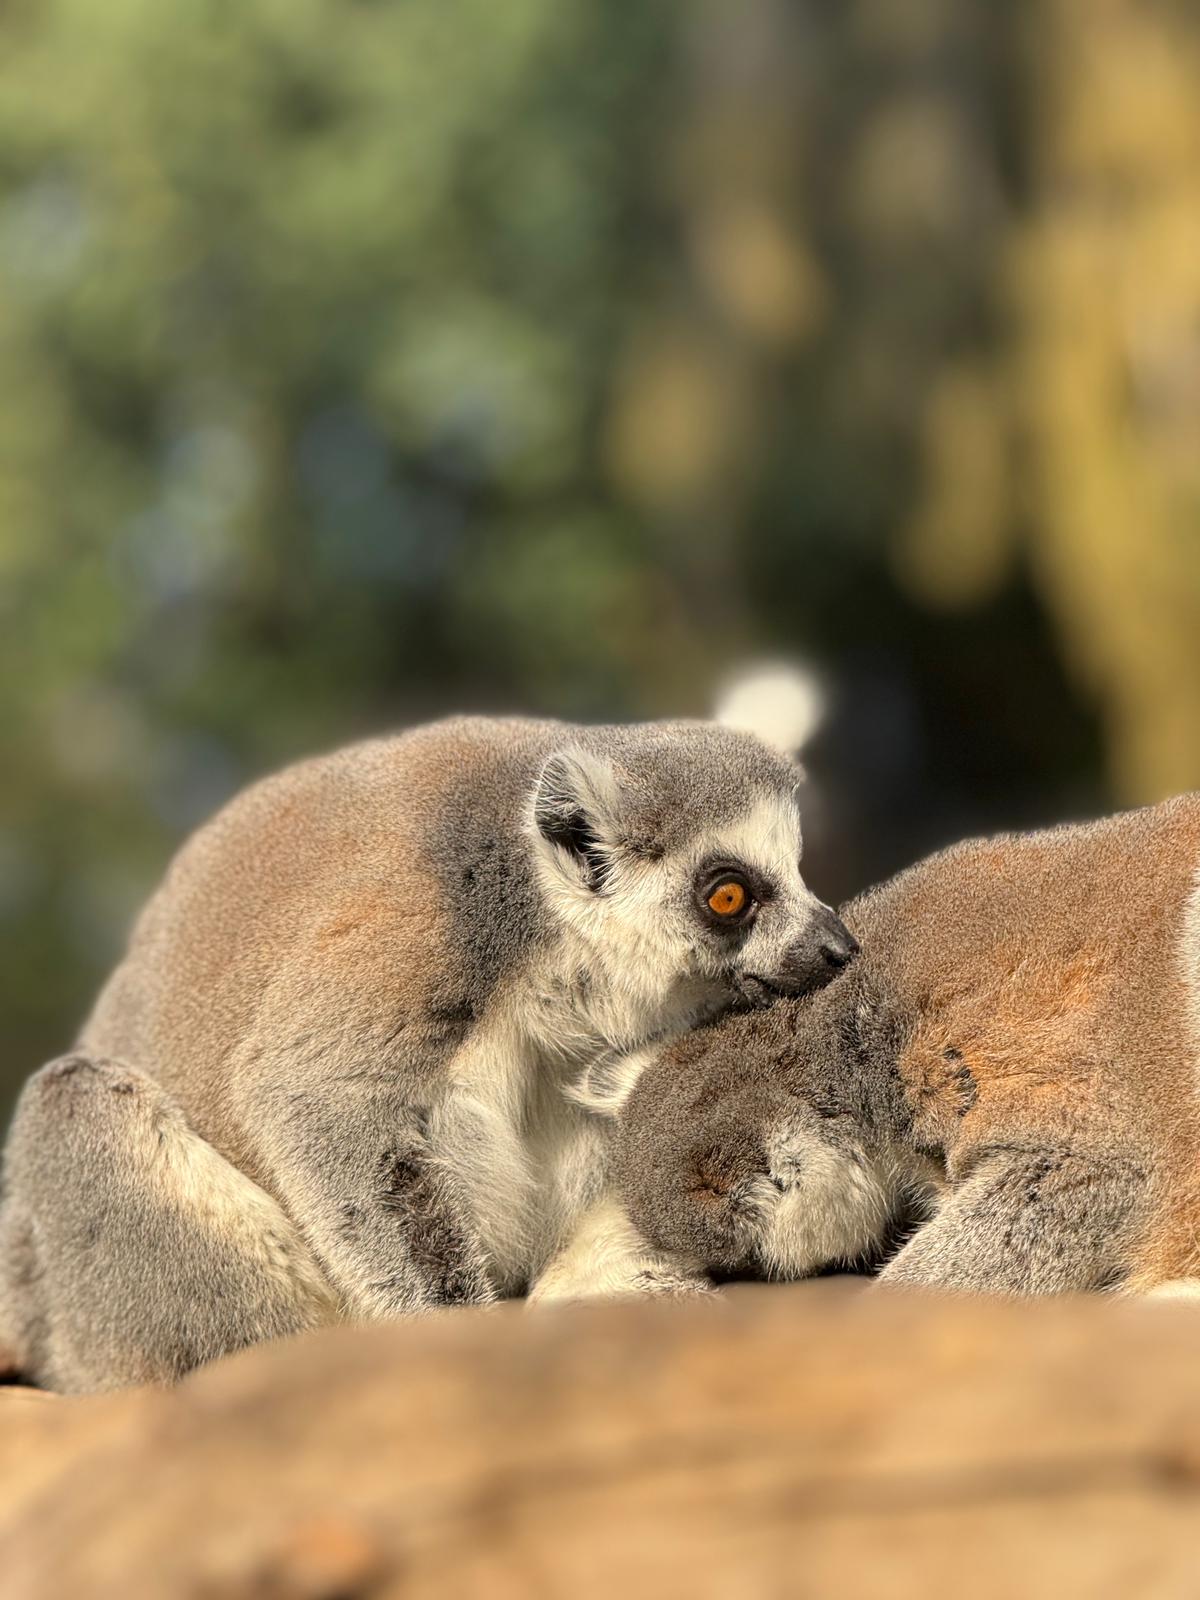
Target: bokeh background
[[365, 359]]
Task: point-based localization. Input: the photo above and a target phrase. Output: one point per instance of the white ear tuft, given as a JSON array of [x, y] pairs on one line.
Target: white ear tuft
[[576, 807], [783, 704]]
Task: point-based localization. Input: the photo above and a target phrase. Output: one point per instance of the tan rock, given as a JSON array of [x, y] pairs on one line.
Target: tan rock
[[805, 1441]]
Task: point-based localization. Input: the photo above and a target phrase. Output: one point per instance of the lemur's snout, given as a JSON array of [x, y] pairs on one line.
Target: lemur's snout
[[838, 944], [819, 954]]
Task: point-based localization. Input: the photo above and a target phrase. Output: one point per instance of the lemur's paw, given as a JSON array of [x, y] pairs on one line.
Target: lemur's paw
[[819, 1199], [608, 1256], [658, 1280], [632, 1279]]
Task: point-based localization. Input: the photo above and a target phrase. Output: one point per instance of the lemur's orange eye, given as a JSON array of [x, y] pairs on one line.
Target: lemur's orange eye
[[728, 898]]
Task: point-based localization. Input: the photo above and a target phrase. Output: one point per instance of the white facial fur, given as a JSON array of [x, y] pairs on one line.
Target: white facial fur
[[643, 932], [768, 840]]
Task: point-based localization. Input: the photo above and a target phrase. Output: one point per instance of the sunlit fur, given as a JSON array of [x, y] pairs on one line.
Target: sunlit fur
[[372, 995], [816, 1203], [629, 966], [1018, 1047], [805, 1204], [607, 1256], [639, 942]]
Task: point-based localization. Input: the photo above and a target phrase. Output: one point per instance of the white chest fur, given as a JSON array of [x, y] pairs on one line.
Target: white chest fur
[[529, 1161]]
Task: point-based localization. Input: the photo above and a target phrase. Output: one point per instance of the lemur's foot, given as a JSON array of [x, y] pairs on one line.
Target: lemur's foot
[[608, 1256]]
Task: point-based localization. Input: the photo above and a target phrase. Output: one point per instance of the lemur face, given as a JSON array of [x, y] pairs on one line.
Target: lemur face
[[677, 855], [752, 920]]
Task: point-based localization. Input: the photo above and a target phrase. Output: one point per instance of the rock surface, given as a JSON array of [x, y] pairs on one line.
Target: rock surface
[[812, 1440]]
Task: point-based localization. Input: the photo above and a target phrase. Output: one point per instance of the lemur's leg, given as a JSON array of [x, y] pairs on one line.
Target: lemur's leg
[[1027, 1222], [606, 1255], [357, 1165], [130, 1250]]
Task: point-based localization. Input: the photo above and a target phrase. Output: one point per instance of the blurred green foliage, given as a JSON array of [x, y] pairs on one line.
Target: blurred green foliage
[[363, 360]]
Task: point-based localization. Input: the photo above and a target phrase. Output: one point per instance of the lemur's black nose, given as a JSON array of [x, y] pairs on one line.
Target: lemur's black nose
[[838, 944], [822, 951]]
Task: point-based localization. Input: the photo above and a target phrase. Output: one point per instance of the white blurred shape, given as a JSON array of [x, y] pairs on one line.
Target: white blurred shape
[[783, 703]]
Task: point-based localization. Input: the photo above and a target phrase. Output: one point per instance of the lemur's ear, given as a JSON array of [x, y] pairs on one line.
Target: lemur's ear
[[575, 807]]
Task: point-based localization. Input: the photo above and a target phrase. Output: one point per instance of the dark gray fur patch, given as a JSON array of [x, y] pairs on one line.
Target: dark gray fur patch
[[442, 1253], [963, 1079]]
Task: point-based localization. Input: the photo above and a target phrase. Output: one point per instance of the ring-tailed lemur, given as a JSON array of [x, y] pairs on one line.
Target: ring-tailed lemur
[[1017, 1050], [333, 1073]]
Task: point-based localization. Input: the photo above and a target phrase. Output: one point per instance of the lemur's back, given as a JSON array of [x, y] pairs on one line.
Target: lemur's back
[[1050, 986], [316, 876]]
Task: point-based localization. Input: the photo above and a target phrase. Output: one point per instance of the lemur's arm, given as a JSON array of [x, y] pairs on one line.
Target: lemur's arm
[[1025, 1221], [354, 1166], [336, 1091], [606, 1255]]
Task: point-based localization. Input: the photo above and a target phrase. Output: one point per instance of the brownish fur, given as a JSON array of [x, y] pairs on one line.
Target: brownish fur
[[1052, 968], [339, 1069], [263, 893], [1019, 1039]]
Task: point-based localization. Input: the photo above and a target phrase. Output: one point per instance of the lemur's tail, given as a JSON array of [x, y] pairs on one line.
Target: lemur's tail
[[782, 702]]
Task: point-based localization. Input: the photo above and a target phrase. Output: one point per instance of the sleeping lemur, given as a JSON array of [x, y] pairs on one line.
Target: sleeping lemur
[[333, 1074], [1017, 1050]]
